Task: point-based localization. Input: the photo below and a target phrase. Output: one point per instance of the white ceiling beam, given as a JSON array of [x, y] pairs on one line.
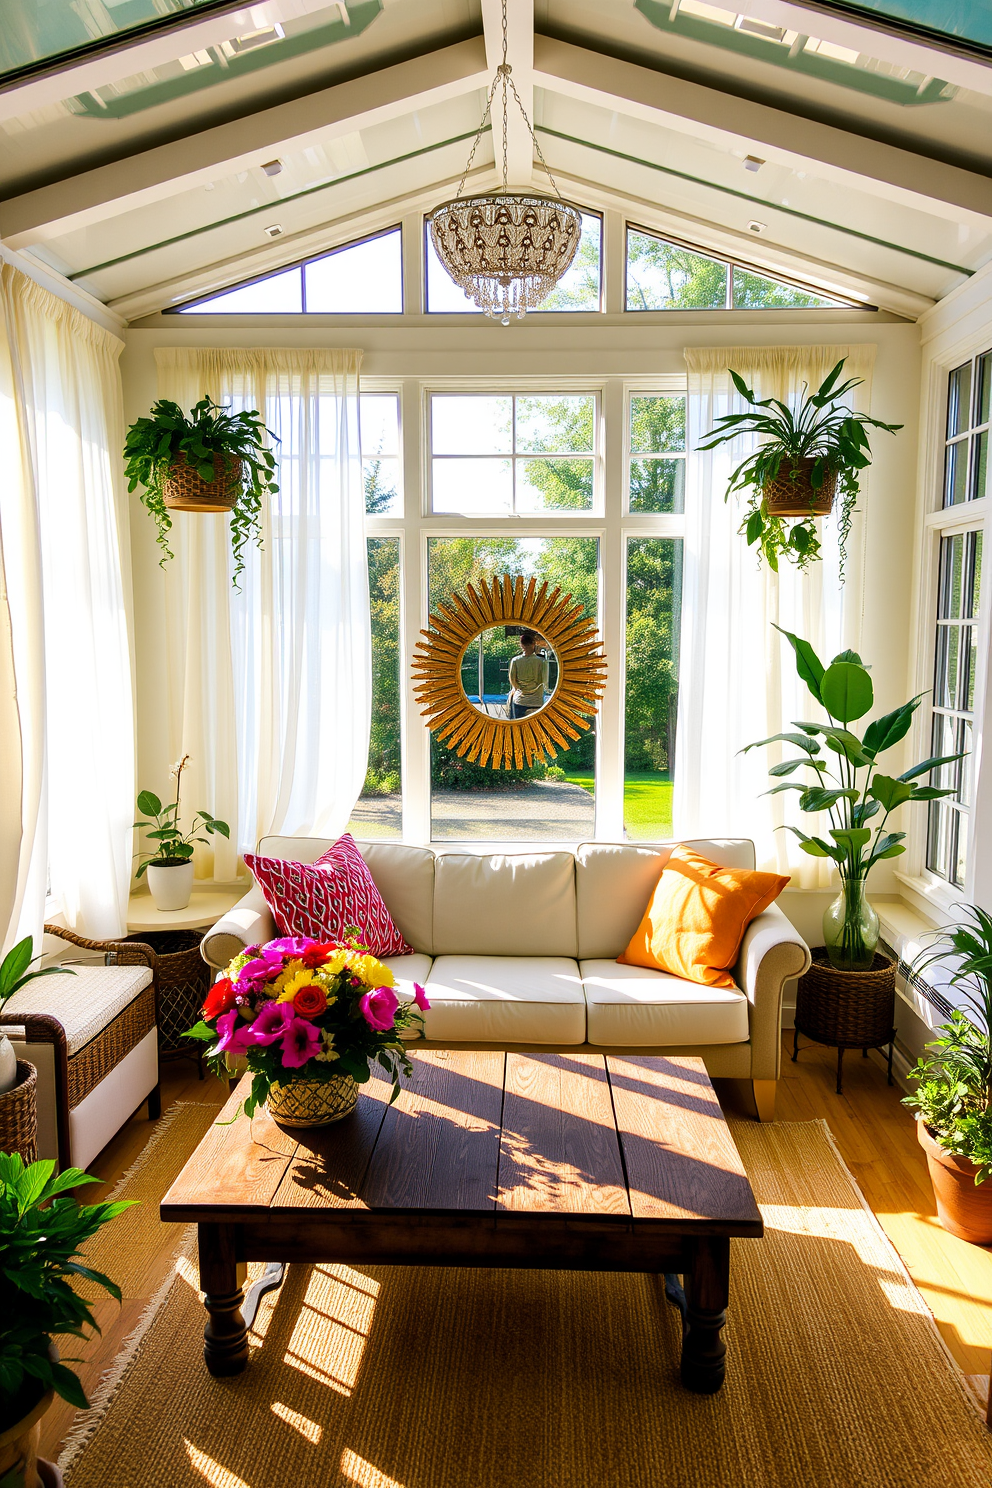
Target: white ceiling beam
[[520, 56], [165, 170], [677, 104]]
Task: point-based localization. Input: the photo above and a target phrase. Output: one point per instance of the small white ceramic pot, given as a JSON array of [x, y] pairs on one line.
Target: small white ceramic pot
[[171, 884], [8, 1065]]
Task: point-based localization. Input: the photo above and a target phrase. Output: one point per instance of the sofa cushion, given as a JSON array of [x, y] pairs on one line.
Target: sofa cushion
[[403, 875], [614, 881], [407, 970], [84, 1003], [505, 1000], [323, 900], [632, 1007], [520, 904]]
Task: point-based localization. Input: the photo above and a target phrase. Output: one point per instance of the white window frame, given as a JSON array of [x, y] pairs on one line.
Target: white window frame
[[610, 522]]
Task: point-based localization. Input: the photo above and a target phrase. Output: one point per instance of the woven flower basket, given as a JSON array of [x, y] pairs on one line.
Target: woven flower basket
[[790, 493], [312, 1102], [847, 1009], [19, 1114], [184, 490]]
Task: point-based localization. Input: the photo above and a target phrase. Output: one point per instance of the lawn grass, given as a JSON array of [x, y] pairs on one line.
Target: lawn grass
[[647, 802]]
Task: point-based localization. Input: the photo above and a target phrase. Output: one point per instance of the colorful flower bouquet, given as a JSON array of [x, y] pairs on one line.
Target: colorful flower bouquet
[[299, 1011]]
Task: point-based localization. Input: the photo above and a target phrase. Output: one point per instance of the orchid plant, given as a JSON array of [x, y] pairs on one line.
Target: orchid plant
[[297, 1008], [173, 845]]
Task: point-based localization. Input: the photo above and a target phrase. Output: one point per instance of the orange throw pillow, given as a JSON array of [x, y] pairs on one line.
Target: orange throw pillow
[[696, 918]]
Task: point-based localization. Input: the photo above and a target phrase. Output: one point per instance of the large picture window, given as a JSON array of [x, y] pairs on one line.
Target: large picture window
[[955, 664]]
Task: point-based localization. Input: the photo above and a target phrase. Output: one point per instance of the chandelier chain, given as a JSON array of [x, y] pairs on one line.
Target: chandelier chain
[[479, 134]]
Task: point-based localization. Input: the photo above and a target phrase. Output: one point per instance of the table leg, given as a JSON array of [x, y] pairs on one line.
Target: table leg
[[707, 1288], [225, 1338]]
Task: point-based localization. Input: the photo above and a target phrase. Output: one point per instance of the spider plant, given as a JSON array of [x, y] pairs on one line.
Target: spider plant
[[823, 430]]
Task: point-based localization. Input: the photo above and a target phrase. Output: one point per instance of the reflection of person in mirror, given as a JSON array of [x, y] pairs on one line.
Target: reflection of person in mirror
[[528, 677]]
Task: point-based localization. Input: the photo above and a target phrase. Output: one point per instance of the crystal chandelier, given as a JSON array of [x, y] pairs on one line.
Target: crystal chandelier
[[507, 249]]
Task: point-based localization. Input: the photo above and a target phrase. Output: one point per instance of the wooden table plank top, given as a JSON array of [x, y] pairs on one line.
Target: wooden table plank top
[[490, 1138], [680, 1158], [559, 1152]]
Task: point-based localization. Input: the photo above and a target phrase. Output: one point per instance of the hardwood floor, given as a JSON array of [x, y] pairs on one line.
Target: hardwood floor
[[875, 1134]]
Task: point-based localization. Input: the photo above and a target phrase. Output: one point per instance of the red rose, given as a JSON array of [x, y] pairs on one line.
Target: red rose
[[220, 998], [310, 1001]]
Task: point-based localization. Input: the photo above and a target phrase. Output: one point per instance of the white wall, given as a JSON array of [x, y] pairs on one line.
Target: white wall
[[879, 591]]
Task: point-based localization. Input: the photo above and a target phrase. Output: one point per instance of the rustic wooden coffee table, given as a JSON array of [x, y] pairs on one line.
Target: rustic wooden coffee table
[[559, 1161]]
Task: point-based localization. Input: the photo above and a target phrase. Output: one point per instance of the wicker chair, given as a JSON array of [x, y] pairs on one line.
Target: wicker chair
[[91, 1042]]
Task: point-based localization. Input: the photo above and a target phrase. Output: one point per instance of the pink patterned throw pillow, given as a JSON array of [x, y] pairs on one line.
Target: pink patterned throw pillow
[[320, 900]]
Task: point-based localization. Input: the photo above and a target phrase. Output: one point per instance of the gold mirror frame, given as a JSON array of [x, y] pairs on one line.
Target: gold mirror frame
[[509, 743]]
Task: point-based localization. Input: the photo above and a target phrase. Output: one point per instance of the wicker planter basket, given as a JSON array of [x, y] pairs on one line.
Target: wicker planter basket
[[19, 1114], [308, 1103], [790, 493], [846, 1009], [183, 982], [184, 490]]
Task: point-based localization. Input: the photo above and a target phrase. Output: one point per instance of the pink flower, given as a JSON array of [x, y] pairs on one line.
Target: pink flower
[[300, 1042], [420, 998], [234, 1036], [262, 969], [288, 945], [271, 1023], [379, 1008]]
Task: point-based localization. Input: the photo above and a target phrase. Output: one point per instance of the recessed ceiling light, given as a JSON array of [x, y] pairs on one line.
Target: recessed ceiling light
[[753, 162], [275, 231], [756, 227], [272, 167]]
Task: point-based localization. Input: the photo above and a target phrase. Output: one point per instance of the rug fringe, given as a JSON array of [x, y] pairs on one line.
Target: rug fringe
[[964, 1383], [161, 1128], [87, 1422]]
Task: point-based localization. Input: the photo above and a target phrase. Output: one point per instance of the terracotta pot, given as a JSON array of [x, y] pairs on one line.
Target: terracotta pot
[[19, 1445], [962, 1208], [183, 490], [791, 494]]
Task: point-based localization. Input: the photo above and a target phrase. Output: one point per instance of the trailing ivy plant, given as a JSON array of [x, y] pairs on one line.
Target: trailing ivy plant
[[209, 439], [822, 429]]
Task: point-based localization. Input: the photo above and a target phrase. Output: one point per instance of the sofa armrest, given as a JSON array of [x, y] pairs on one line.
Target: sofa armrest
[[772, 952], [250, 922]]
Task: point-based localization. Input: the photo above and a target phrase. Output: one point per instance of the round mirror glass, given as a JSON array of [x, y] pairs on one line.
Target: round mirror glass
[[509, 672]]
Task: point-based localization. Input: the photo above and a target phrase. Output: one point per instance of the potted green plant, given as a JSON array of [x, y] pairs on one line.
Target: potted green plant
[[808, 458], [15, 973], [953, 1096], [846, 998], [213, 460], [170, 867], [41, 1231]]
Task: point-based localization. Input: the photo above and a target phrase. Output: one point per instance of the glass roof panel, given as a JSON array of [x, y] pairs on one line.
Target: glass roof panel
[[968, 19], [36, 30]]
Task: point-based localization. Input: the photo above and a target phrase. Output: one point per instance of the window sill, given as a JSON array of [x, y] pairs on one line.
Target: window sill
[[932, 898]]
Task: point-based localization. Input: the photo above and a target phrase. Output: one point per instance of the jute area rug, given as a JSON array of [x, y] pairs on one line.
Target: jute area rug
[[406, 1378]]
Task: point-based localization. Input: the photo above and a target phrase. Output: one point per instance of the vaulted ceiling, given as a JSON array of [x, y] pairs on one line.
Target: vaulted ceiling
[[135, 134]]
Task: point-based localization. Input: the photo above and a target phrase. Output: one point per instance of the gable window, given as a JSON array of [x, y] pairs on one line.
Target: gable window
[[667, 275], [496, 454], [361, 278], [579, 289]]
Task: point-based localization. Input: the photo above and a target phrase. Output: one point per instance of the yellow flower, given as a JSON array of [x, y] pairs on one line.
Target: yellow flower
[[328, 1052], [290, 970], [301, 978]]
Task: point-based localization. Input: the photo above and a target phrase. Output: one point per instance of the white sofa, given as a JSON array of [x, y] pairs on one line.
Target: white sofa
[[518, 951]]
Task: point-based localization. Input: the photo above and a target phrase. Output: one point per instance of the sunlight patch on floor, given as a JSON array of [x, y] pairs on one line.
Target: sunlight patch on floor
[[307, 1428], [210, 1470], [365, 1474], [333, 1323]]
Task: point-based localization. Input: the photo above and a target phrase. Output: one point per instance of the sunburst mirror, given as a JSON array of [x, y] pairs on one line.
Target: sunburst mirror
[[549, 693]]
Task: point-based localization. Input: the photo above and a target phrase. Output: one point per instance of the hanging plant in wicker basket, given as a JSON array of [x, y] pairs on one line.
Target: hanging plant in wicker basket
[[210, 460], [509, 743]]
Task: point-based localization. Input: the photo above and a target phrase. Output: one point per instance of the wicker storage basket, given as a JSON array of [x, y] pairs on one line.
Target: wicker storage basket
[[183, 983], [19, 1114], [847, 1009], [790, 494], [184, 490]]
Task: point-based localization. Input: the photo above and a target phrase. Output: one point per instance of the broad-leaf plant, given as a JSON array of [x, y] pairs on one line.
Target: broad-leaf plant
[[821, 428], [845, 780], [209, 437], [172, 845], [41, 1231], [954, 1077]]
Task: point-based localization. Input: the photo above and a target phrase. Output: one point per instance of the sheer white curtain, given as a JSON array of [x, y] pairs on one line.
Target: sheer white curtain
[[65, 626], [269, 689], [737, 677]]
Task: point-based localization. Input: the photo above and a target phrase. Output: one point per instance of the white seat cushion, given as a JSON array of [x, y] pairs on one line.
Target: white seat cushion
[[505, 999], [407, 970], [84, 1003], [637, 1008]]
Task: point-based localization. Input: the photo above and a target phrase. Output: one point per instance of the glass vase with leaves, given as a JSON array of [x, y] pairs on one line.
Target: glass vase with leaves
[[819, 444], [848, 784]]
